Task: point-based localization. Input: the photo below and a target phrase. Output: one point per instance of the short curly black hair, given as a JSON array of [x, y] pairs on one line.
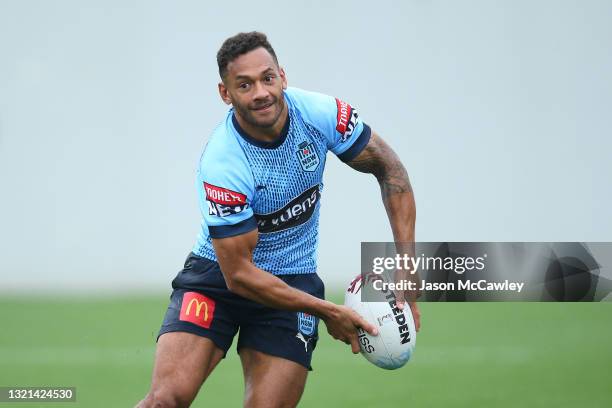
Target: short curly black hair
[[240, 44]]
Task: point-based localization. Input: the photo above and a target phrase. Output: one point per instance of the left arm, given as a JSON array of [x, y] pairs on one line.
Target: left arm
[[378, 159]]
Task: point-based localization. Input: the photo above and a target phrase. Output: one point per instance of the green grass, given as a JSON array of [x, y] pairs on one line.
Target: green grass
[[468, 355]]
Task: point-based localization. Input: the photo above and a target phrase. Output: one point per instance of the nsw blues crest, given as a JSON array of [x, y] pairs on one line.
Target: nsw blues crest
[[306, 323], [308, 157]]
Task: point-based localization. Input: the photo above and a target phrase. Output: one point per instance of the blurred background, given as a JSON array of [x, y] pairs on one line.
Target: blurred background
[[500, 111]]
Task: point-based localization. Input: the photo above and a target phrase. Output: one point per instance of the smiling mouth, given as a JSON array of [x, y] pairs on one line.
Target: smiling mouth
[[263, 107]]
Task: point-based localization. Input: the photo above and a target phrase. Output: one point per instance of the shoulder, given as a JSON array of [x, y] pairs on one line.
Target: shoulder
[[223, 153], [337, 120], [302, 97], [314, 107], [222, 145]]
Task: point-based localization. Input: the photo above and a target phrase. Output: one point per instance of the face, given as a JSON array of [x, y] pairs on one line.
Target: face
[[254, 85]]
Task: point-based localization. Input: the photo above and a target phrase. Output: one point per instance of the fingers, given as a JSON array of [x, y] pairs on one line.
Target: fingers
[[360, 322], [352, 340], [345, 328], [399, 299], [355, 345], [416, 315], [370, 328]]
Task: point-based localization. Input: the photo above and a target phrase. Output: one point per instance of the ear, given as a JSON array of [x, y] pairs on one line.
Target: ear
[[283, 78], [223, 92]]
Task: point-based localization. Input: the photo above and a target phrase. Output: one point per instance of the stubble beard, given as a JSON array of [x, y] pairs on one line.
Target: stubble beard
[[248, 116]]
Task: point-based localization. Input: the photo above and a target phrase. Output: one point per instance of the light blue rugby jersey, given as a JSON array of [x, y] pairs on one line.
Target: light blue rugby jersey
[[275, 187]]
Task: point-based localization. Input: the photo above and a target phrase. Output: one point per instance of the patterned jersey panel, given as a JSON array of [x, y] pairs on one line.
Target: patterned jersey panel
[[274, 187], [288, 186]]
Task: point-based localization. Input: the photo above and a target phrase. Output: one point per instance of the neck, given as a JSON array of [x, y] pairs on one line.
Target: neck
[[265, 134]]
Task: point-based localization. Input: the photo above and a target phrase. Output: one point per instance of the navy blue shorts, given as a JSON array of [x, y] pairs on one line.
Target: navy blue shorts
[[201, 304]]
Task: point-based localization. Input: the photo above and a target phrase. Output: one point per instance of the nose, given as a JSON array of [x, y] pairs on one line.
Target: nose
[[261, 92]]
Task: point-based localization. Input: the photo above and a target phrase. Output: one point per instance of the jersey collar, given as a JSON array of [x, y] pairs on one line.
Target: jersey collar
[[259, 143]]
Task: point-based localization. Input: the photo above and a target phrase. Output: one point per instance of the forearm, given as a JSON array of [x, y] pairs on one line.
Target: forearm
[[398, 199], [401, 210], [263, 287], [397, 196], [381, 161]]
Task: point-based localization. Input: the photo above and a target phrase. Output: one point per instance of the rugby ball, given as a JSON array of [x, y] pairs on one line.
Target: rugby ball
[[396, 339]]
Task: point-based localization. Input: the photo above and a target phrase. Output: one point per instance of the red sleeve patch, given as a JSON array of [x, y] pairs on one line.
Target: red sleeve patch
[[346, 119], [343, 115], [223, 196]]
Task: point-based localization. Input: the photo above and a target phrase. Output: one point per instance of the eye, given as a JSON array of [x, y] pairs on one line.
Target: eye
[[269, 78], [244, 85]]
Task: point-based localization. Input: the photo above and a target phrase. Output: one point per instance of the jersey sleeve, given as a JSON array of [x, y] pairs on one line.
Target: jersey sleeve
[[225, 190], [347, 135]]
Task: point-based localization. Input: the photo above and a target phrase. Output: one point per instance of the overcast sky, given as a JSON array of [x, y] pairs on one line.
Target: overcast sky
[[500, 110]]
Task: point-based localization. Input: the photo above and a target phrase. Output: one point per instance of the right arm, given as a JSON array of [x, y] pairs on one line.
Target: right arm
[[242, 277]]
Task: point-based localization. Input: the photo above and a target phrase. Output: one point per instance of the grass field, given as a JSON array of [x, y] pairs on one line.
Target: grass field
[[467, 355]]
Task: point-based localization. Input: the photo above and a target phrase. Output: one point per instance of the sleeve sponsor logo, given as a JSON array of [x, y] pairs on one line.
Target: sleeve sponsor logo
[[223, 202], [197, 309], [224, 196], [346, 119], [296, 212]]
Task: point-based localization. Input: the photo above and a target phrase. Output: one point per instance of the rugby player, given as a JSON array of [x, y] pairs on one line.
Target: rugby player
[[253, 267]]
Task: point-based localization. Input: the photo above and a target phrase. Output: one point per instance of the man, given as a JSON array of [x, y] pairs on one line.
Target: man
[[254, 265]]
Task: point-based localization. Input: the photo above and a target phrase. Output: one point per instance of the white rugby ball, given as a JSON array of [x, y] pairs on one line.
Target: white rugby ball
[[396, 339]]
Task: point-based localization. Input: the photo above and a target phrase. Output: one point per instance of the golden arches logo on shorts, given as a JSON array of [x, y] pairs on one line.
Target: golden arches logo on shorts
[[197, 309]]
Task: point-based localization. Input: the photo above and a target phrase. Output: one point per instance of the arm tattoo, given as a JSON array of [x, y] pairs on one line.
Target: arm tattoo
[[380, 160]]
